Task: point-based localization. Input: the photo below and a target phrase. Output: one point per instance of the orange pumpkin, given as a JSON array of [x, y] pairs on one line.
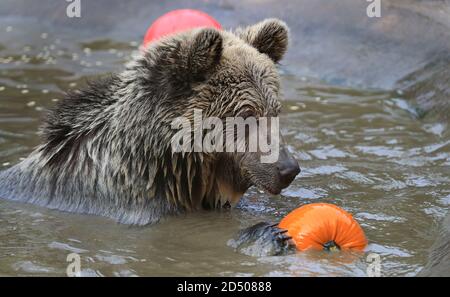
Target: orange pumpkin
[[323, 226]]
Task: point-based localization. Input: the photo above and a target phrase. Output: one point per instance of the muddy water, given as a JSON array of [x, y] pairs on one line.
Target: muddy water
[[359, 148]]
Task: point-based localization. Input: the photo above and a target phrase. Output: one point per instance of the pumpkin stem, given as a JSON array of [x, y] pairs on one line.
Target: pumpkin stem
[[331, 246]]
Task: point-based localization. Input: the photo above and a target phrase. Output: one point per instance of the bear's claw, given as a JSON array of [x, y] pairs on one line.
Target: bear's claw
[[265, 238]]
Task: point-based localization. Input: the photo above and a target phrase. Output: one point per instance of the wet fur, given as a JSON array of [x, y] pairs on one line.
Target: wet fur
[[106, 148]]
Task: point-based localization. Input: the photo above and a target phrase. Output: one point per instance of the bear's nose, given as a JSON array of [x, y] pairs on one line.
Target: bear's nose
[[288, 171]]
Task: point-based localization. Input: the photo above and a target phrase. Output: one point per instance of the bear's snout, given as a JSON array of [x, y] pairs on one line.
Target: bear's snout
[[288, 168]]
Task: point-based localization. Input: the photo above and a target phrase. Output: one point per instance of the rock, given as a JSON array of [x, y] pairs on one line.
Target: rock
[[428, 88], [439, 258]]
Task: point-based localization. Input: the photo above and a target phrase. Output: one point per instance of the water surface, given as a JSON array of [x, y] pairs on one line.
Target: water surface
[[361, 149]]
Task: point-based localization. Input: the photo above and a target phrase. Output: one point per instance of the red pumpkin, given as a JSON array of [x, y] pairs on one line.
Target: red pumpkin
[[323, 226], [177, 21]]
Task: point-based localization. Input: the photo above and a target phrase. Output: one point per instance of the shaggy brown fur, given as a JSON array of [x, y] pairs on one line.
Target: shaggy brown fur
[[106, 148]]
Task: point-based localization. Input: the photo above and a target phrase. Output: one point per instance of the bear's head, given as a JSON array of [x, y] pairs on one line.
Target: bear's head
[[220, 75], [120, 131]]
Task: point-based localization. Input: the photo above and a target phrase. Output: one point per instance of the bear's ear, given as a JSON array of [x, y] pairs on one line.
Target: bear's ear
[[184, 58], [269, 37], [203, 53]]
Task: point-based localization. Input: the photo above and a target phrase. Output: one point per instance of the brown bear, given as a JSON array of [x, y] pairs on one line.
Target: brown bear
[[106, 148]]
